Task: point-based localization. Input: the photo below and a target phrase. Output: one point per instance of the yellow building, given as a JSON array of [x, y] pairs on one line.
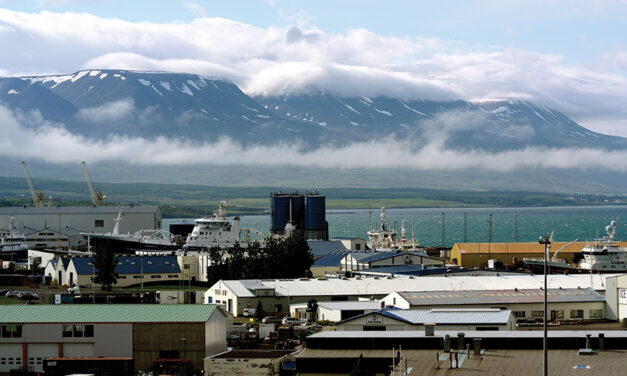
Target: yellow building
[[471, 255]]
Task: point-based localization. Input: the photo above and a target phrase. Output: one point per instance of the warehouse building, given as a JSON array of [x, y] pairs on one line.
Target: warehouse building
[[616, 297], [445, 352], [145, 332], [131, 270], [277, 295], [471, 255], [440, 318], [333, 311], [563, 304], [94, 219], [370, 260]]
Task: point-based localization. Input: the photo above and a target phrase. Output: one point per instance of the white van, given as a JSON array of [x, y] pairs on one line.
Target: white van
[[291, 321]]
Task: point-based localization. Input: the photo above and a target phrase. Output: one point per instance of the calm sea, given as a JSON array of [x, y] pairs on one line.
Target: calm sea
[[436, 226]]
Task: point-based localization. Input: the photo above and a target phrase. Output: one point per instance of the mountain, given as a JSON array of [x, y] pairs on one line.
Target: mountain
[[99, 103]]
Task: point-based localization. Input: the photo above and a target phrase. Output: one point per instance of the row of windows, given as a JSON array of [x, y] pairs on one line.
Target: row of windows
[[559, 314], [11, 331], [78, 331]]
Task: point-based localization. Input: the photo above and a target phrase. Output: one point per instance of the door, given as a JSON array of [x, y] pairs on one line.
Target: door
[[71, 278], [10, 356], [37, 352], [78, 350], [60, 281]]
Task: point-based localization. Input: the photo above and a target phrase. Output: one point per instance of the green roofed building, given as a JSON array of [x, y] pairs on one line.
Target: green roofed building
[[31, 333]]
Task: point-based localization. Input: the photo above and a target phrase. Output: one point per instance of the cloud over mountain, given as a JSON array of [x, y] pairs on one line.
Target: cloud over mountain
[[291, 60]]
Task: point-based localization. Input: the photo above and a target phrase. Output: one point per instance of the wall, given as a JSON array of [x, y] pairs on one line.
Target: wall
[[243, 366], [186, 338], [215, 332], [615, 310]]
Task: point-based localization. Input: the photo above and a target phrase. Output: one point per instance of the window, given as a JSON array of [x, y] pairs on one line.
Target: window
[[557, 314], [576, 313], [374, 328], [358, 247], [187, 266], [155, 276], [99, 223], [11, 331], [78, 331], [537, 314], [518, 314], [596, 313]]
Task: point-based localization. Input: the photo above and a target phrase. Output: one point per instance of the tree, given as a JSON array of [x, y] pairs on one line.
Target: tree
[[360, 368], [105, 262], [259, 313], [35, 267]]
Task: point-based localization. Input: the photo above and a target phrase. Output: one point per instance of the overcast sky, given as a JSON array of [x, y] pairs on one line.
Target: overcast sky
[[568, 55]]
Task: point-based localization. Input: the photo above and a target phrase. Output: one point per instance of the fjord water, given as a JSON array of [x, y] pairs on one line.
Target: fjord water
[[569, 223]]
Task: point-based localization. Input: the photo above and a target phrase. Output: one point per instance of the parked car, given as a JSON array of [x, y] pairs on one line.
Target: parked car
[[291, 321], [13, 294], [249, 312], [3, 292], [29, 296], [271, 320], [74, 290]]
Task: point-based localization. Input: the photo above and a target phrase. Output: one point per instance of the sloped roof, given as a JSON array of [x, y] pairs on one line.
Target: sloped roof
[[323, 247], [20, 210], [332, 258], [431, 298], [442, 316], [105, 313], [384, 286], [132, 264], [376, 256]]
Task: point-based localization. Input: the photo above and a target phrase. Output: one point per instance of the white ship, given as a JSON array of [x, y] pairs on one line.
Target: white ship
[[604, 255], [218, 231]]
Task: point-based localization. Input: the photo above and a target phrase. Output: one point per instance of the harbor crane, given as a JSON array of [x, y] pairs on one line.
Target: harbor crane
[[38, 198], [97, 198]]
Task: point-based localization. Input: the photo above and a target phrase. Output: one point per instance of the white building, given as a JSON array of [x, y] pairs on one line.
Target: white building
[[277, 295], [442, 319]]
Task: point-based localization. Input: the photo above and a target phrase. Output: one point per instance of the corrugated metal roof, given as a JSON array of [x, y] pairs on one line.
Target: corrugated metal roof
[[350, 306], [323, 247], [332, 258], [461, 316], [431, 298], [530, 247], [20, 210], [469, 334], [132, 264], [105, 313], [384, 255], [384, 286]]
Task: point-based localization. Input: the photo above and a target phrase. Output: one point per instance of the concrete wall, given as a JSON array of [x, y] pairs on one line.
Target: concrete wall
[[110, 340], [243, 366], [215, 332], [151, 338], [616, 297], [148, 217]]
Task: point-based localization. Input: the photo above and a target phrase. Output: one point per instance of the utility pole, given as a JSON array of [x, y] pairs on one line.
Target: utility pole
[[443, 229], [545, 360], [489, 235], [466, 227]]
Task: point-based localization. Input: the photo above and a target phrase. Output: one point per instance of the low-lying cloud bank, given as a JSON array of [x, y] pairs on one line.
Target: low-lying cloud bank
[[52, 143]]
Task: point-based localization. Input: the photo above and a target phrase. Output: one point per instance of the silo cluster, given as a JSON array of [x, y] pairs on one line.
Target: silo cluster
[[307, 212]]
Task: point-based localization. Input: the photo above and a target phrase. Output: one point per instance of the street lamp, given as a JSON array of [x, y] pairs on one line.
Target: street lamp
[[547, 247]]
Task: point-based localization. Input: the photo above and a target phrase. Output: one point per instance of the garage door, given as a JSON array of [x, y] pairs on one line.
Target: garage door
[[78, 350], [37, 352], [10, 357]]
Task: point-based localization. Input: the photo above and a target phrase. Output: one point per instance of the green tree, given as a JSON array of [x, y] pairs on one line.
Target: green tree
[[105, 262], [360, 368], [35, 267]]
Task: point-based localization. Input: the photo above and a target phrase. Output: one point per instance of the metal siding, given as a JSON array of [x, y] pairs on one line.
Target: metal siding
[[37, 352], [79, 350], [10, 356]]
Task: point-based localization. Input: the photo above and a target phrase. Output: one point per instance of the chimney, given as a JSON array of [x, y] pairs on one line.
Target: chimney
[[460, 340], [429, 329], [477, 344]]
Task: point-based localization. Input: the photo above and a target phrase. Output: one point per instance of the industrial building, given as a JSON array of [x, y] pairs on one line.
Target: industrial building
[[353, 243], [334, 311], [249, 363], [371, 260], [441, 318], [131, 270], [89, 219], [306, 213], [616, 297], [471, 255], [145, 332], [563, 304], [456, 352], [277, 295]]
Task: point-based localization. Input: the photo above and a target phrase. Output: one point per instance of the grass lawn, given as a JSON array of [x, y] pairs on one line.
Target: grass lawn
[[5, 301]]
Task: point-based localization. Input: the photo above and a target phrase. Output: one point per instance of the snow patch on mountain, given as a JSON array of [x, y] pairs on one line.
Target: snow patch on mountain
[[143, 82], [165, 85], [186, 90], [13, 92], [384, 112]]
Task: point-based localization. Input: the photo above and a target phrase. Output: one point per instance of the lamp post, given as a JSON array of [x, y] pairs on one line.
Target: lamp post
[[545, 360]]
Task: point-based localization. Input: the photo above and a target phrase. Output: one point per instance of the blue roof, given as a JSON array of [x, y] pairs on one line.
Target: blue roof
[[411, 270], [66, 262], [347, 238], [322, 247], [332, 258], [133, 265], [383, 255]]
